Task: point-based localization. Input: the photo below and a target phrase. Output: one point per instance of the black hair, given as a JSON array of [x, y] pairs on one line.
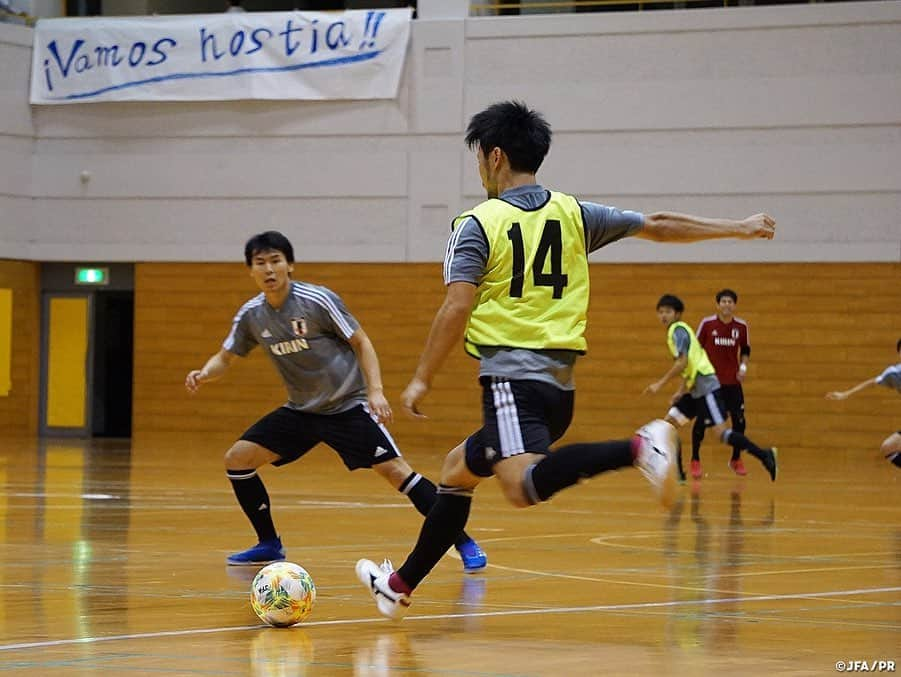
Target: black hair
[[726, 292], [898, 346], [670, 301], [268, 241], [523, 134]]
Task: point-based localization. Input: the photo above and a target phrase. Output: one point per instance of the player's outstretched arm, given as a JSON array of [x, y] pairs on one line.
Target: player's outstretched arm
[[678, 365], [845, 394], [213, 370], [372, 373], [674, 227]]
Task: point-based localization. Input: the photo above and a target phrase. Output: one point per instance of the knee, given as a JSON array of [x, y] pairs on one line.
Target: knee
[[675, 418], [515, 494], [519, 500], [236, 458]]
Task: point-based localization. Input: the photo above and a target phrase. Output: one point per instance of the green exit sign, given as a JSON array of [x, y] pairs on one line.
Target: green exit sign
[[92, 276]]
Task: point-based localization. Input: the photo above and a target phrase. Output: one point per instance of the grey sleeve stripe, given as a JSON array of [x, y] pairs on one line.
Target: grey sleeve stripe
[[330, 307], [229, 341], [451, 250]]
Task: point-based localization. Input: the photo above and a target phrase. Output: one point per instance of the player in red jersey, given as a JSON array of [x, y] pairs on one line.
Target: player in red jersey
[[725, 339]]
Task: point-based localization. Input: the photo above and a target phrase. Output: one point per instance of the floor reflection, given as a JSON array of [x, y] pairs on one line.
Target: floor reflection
[[281, 652], [68, 501], [705, 559], [389, 653]]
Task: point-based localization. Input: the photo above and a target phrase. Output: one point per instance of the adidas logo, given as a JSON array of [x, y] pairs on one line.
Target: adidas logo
[[266, 333], [380, 451]]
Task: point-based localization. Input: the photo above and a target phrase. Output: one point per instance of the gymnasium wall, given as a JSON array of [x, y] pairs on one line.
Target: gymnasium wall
[[16, 142], [19, 409], [792, 110], [813, 328]]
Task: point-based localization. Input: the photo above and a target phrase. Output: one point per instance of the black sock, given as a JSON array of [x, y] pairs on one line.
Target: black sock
[[697, 436], [739, 441], [422, 494], [736, 449], [567, 465], [444, 522], [251, 494]]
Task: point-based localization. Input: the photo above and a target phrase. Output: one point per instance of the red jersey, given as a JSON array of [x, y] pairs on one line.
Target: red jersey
[[723, 343]]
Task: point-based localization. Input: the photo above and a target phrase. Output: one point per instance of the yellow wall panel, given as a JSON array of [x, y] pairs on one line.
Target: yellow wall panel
[[67, 342], [6, 341], [19, 410]]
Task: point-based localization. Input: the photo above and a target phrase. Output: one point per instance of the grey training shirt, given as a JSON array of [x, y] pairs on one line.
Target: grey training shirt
[[891, 377], [467, 257], [306, 339]]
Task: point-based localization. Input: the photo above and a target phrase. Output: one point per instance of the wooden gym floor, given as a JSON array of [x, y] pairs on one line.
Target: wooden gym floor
[[113, 563]]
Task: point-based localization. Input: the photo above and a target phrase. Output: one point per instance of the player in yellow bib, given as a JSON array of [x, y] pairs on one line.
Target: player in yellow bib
[[507, 304], [699, 391], [516, 270]]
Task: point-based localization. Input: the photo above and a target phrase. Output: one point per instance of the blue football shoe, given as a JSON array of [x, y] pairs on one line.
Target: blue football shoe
[[474, 558], [264, 552]]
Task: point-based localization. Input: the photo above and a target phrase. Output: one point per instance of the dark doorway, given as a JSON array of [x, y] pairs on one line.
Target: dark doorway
[[113, 360], [84, 8]]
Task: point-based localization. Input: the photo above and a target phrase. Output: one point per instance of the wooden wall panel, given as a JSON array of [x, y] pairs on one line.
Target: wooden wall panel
[[19, 410], [814, 328]]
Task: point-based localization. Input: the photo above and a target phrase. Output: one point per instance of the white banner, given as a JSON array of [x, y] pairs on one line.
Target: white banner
[[357, 54]]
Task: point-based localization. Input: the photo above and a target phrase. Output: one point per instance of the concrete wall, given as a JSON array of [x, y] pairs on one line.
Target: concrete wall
[[16, 142], [793, 110]]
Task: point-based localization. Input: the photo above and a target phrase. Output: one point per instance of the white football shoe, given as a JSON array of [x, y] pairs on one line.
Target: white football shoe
[[658, 450], [390, 604]]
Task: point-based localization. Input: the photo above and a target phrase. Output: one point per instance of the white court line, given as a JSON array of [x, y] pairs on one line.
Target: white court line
[[478, 614]]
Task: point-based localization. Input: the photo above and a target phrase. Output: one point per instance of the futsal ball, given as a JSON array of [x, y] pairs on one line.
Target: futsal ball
[[282, 594]]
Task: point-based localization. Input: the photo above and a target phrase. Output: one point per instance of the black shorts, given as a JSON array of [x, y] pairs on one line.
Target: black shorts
[[518, 417], [734, 400], [708, 408], [360, 441]]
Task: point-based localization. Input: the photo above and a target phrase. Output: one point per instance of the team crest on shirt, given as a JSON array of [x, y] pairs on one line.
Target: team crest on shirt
[[299, 325], [282, 348], [735, 333]]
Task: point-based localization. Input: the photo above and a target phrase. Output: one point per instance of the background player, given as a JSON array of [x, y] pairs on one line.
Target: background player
[[699, 390], [890, 378], [724, 338], [334, 383]]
